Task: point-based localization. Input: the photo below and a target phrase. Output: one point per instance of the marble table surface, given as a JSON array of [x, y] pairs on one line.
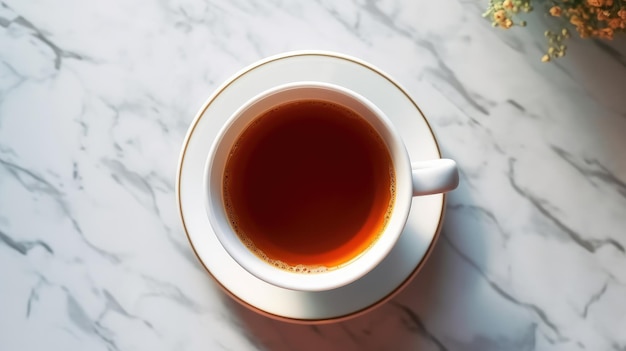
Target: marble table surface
[[95, 101]]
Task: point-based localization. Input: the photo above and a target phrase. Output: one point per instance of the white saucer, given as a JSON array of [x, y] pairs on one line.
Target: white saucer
[[394, 272]]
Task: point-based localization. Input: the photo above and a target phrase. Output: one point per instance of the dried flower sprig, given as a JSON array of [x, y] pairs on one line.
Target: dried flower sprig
[[590, 18]]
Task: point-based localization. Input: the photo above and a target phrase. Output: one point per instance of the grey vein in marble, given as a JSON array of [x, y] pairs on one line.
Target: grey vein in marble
[[416, 324], [24, 246], [35, 183], [541, 205], [503, 293]]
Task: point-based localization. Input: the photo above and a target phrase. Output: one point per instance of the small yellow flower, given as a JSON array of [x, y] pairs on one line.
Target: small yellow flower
[[606, 33], [596, 3], [499, 16], [575, 20], [545, 58], [555, 11], [507, 23], [508, 4], [614, 23], [583, 32]]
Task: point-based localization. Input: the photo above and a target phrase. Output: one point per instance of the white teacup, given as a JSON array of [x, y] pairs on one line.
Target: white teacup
[[423, 178]]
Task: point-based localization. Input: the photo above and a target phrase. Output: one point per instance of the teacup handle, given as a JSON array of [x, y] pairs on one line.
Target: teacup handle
[[434, 176]]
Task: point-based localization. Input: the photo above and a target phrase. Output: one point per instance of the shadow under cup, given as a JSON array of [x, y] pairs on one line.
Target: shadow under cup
[[274, 115]]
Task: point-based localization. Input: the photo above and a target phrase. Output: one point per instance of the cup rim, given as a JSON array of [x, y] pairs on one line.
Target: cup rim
[[336, 277]]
